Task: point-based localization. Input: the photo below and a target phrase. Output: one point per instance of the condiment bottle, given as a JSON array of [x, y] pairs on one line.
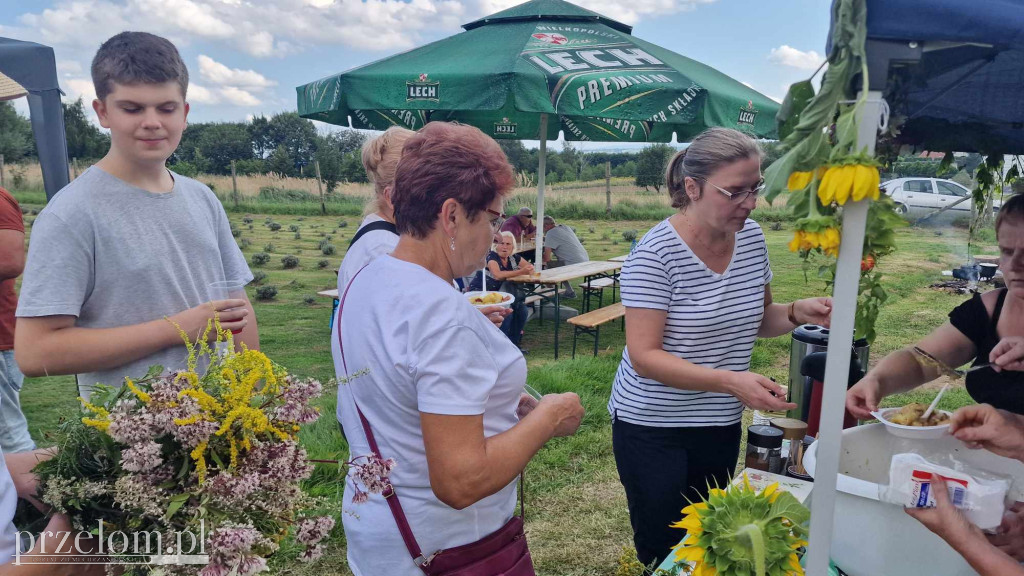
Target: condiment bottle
[[764, 449]]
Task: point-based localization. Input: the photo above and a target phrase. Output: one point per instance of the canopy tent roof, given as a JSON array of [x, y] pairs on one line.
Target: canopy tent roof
[[959, 86], [34, 68]]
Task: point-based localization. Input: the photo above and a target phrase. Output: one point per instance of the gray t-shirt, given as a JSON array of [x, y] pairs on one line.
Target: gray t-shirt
[[112, 254], [566, 246]]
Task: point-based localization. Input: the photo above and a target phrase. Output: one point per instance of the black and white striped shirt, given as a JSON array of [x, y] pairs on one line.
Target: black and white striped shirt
[[712, 320]]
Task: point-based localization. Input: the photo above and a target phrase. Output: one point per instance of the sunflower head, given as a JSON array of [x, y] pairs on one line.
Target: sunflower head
[[744, 532]]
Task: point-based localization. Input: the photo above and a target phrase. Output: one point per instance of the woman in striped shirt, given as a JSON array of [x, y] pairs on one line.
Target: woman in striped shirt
[[697, 295]]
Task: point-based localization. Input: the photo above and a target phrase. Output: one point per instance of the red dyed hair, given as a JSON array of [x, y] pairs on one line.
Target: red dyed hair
[[447, 160]]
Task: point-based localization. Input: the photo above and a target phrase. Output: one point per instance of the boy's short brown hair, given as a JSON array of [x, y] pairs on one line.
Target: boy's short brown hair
[[137, 58]]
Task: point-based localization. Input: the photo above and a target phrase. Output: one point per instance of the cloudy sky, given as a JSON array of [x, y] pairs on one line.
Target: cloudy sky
[[246, 57]]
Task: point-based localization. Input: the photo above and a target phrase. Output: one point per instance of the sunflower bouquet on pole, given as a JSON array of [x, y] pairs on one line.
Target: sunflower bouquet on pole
[[203, 467], [822, 168]]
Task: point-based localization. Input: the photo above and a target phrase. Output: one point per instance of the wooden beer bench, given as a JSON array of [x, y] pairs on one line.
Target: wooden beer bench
[[591, 322]]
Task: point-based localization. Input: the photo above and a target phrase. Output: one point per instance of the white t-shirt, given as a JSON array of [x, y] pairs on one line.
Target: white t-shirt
[[371, 245], [425, 349], [711, 320]]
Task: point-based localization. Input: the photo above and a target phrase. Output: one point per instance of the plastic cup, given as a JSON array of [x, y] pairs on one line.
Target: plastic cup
[[227, 290]]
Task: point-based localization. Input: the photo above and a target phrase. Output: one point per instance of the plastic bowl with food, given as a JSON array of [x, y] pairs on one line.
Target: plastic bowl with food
[[895, 420], [490, 298]]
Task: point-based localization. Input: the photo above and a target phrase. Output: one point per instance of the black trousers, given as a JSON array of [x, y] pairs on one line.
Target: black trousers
[[662, 469]]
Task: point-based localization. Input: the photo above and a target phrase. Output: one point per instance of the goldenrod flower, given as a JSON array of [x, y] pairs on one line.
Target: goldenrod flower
[[130, 384]]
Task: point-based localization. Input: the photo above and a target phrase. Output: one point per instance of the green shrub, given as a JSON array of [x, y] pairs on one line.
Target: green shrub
[[343, 224], [629, 235], [266, 292], [259, 277], [274, 226], [290, 262], [298, 236], [235, 231], [323, 264], [245, 243], [310, 300], [259, 259], [293, 227], [247, 219], [269, 248], [327, 249]]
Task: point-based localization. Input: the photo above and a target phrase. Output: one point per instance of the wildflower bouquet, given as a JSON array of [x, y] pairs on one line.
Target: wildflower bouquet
[[743, 532], [212, 455]]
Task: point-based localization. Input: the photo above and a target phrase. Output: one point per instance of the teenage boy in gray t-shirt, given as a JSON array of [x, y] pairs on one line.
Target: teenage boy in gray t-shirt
[[129, 245]]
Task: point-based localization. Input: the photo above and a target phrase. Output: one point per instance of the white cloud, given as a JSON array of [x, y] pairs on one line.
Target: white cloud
[[789, 56], [69, 67], [274, 28], [238, 97], [201, 95], [216, 73], [75, 88]]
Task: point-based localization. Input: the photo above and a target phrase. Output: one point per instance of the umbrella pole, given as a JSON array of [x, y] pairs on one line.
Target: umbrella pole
[[840, 348], [541, 173]]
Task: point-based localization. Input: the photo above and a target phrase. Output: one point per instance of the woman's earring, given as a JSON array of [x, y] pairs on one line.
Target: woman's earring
[[452, 244]]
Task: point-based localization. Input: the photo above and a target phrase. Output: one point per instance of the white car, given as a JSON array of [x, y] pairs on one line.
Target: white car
[[922, 196]]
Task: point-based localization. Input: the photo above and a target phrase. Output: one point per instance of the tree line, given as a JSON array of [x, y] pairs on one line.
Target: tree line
[[288, 145]]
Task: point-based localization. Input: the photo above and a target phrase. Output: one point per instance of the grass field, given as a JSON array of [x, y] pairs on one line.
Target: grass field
[[576, 513]]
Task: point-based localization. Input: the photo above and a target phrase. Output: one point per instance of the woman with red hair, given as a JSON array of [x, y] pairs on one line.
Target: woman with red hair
[[441, 388]]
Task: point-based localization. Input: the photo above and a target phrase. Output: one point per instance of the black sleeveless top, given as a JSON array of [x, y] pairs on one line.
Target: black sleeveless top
[[1004, 390]]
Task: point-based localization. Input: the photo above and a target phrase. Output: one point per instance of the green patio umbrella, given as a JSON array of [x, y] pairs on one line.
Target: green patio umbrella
[[510, 73]]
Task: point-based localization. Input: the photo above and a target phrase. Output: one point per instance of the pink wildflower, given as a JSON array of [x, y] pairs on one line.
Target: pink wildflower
[[130, 424], [311, 554], [313, 530], [142, 457]]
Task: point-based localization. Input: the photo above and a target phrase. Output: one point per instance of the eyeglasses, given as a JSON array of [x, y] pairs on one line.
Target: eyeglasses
[[738, 197], [498, 217]]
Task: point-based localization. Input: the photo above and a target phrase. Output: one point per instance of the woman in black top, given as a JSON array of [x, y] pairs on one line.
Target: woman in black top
[[503, 263], [988, 329]]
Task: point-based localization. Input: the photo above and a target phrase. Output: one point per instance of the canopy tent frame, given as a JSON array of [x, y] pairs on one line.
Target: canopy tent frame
[[34, 67]]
